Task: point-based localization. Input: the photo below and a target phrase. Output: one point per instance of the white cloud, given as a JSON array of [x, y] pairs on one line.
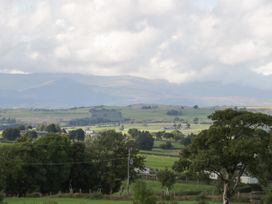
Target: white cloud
[[174, 40], [265, 70]]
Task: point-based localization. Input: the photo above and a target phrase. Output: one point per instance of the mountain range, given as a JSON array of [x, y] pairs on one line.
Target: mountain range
[[49, 90]]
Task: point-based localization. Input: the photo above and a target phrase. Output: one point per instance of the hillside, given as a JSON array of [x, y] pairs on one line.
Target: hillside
[[69, 90]]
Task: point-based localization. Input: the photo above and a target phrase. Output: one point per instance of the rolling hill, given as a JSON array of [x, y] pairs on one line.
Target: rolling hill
[[68, 90]]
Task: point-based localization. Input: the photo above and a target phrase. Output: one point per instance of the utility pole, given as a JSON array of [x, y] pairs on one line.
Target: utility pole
[[128, 169]]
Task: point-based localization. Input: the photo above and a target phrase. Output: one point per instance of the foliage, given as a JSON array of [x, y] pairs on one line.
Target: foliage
[[144, 140], [201, 199], [11, 134], [53, 128], [111, 150], [31, 134], [52, 163], [174, 112], [142, 195], [237, 142], [77, 134], [167, 145], [167, 178]]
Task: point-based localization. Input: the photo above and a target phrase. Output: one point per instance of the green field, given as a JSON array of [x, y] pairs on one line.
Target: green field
[[159, 162], [79, 201], [134, 112], [182, 187]]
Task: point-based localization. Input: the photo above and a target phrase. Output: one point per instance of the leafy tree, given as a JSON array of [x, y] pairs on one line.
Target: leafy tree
[[174, 112], [133, 132], [31, 134], [111, 151], [167, 178], [83, 171], [53, 128], [142, 195], [168, 135], [238, 142], [159, 135], [11, 134], [53, 151], [144, 140], [77, 134], [121, 128], [195, 107], [167, 145], [177, 135]]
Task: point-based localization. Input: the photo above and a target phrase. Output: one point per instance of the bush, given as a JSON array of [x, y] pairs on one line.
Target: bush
[[96, 195], [167, 145], [201, 199], [142, 195]]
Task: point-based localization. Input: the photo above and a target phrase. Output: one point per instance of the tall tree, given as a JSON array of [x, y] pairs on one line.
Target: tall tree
[[111, 153], [77, 134], [237, 142], [11, 134], [167, 179]]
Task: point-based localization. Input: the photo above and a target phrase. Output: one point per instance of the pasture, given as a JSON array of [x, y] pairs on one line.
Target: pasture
[[158, 161], [133, 112]]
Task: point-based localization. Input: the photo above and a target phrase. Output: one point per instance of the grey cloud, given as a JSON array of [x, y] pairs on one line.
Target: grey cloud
[[179, 41]]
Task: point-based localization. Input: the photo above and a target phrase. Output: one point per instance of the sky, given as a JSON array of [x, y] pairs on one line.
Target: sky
[[176, 40]]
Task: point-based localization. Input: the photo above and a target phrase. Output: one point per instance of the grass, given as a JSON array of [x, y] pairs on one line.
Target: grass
[[80, 201], [182, 187], [159, 162], [134, 112]]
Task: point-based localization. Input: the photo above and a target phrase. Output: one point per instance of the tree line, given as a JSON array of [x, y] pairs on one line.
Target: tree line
[[54, 163]]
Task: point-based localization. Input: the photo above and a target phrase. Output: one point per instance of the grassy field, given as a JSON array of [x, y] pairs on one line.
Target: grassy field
[[134, 112], [159, 162], [182, 187], [79, 201]]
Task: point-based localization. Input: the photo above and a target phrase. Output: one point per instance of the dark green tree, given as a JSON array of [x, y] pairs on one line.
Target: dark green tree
[[77, 134], [143, 195], [31, 134], [53, 128], [144, 140], [167, 178], [111, 152], [11, 134], [237, 142]]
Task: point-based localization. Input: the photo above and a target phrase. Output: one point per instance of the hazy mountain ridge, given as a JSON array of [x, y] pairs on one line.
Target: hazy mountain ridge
[[67, 90]]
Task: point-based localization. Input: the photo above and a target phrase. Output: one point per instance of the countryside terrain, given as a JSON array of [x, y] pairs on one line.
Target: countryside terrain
[[143, 117]]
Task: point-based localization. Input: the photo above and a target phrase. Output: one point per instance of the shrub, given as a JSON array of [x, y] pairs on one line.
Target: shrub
[[201, 199], [167, 145], [96, 195], [142, 195]]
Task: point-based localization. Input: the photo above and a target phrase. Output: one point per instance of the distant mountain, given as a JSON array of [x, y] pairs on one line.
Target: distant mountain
[[68, 90]]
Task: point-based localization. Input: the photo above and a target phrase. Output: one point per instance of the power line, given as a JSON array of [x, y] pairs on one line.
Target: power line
[[65, 163]]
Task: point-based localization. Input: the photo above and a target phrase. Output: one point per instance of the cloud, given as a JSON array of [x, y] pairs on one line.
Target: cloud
[[175, 40]]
